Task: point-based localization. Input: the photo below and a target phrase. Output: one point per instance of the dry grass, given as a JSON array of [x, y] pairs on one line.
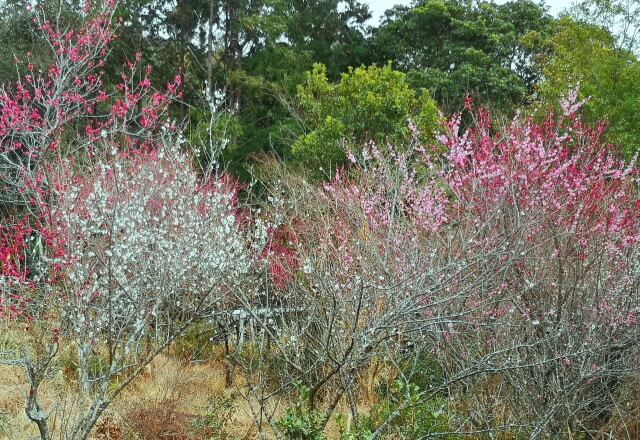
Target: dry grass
[[179, 393], [12, 392], [625, 417], [161, 404], [170, 395]]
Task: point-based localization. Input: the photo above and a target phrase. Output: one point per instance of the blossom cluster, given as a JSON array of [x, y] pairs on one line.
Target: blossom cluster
[[143, 235], [38, 114]]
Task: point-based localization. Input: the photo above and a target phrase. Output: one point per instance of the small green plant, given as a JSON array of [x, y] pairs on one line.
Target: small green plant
[[210, 426], [408, 413], [361, 431], [300, 422], [5, 426]]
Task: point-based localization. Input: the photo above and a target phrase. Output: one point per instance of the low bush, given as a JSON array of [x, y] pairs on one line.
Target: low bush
[[159, 419], [302, 422], [211, 424]]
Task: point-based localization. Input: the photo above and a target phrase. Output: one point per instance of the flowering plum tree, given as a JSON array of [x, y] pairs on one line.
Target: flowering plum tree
[[375, 275], [510, 257], [563, 211], [63, 111], [149, 250], [38, 108], [507, 256], [112, 243]]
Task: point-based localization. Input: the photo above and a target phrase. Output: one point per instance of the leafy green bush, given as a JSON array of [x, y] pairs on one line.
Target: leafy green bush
[[211, 424], [407, 412], [360, 432], [367, 104], [300, 422]]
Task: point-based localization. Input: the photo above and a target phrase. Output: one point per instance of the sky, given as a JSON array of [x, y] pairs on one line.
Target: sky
[[379, 6]]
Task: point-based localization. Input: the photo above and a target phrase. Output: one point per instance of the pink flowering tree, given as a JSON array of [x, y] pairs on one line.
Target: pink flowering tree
[[61, 111], [50, 114], [563, 212], [42, 104], [508, 256], [364, 274], [34, 113]]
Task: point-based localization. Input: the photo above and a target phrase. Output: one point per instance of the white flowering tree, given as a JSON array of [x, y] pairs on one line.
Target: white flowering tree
[[111, 243], [149, 249]]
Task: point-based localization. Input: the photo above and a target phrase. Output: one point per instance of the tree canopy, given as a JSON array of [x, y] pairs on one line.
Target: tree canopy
[[373, 104], [462, 48], [604, 73], [243, 62]]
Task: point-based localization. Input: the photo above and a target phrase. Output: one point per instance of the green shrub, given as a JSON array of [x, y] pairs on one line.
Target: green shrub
[[362, 431], [406, 412], [210, 425], [367, 104], [412, 415], [300, 422], [606, 74]]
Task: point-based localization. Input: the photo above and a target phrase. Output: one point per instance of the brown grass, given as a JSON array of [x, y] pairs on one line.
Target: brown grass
[[161, 404]]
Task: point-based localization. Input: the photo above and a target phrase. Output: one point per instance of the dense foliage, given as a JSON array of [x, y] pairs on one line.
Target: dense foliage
[[394, 269], [248, 58], [461, 48], [607, 75], [367, 104]]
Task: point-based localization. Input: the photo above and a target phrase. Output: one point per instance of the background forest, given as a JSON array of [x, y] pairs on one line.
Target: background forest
[[287, 76], [281, 219]]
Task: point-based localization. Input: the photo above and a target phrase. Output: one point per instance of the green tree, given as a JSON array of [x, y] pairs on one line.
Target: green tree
[[609, 76], [249, 56], [279, 41], [367, 104], [459, 48], [331, 32]]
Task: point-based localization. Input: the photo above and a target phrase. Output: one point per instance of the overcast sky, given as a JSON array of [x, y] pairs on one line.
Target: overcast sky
[[379, 6]]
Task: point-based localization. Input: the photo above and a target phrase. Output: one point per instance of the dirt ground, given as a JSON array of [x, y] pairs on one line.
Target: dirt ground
[[164, 402]]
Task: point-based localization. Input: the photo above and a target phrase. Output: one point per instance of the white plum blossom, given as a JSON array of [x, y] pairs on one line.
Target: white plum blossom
[[149, 248]]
